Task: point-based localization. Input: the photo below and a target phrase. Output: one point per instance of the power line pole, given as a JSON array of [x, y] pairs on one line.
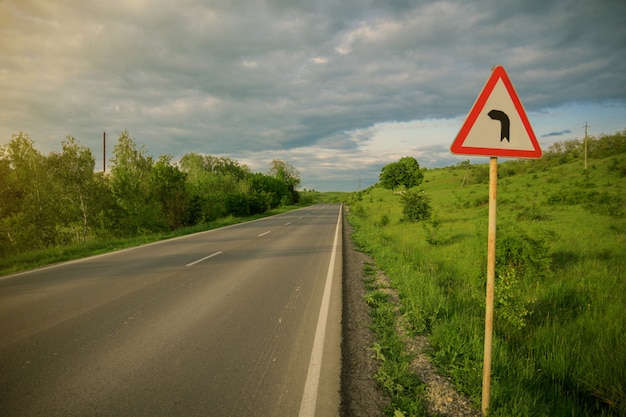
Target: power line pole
[[586, 126], [104, 152]]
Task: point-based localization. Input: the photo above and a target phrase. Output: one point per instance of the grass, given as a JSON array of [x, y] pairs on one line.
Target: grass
[[394, 374], [559, 346], [39, 258]]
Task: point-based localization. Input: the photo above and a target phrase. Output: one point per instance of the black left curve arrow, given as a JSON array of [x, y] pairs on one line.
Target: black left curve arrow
[[505, 124]]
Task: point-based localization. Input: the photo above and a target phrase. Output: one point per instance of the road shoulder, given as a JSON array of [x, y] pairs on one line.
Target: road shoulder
[[360, 395]]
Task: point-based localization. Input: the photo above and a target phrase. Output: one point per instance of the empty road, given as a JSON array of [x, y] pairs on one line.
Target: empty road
[[239, 321]]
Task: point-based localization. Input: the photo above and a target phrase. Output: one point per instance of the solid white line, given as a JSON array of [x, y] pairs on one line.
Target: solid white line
[[309, 397], [263, 234], [204, 259]]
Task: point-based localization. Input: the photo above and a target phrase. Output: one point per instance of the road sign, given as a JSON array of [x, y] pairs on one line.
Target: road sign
[[497, 125]]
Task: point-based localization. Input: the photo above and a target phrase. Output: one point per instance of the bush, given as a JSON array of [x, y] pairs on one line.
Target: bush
[[509, 304], [384, 220], [432, 230], [238, 205], [416, 206], [259, 202], [520, 260], [528, 256], [618, 165]]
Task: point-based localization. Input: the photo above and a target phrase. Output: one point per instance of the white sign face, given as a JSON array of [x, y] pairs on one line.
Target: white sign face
[[497, 124]]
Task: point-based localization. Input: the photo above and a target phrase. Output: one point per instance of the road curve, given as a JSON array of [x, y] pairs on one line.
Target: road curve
[[243, 320]]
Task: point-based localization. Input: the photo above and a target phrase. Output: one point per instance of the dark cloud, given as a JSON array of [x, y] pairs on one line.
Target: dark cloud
[[233, 76], [560, 133]]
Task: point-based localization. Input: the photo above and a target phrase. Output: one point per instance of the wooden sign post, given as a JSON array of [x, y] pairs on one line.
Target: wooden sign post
[[491, 274], [495, 126]]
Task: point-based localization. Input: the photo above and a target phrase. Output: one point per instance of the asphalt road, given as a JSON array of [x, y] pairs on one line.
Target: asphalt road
[[239, 321]]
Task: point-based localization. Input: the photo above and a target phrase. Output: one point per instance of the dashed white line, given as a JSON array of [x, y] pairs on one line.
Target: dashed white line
[[204, 259], [263, 234]]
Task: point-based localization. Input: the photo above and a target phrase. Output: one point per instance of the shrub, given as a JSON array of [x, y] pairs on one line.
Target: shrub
[[416, 206], [509, 305], [358, 210], [432, 230], [259, 202], [533, 213], [528, 256], [618, 165], [238, 205], [520, 259], [480, 174]]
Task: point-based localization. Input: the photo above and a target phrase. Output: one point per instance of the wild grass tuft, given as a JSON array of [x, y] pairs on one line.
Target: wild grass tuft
[[394, 375]]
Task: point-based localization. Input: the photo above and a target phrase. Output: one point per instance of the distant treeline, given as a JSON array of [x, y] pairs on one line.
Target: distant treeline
[[58, 199], [560, 153], [600, 147]]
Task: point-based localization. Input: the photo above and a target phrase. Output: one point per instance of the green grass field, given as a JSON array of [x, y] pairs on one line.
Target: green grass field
[[560, 308]]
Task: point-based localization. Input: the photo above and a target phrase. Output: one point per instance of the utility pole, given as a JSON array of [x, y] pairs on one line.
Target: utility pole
[[586, 126], [104, 152]]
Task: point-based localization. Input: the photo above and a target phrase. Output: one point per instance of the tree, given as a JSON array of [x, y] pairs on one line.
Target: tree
[[133, 189], [170, 191], [286, 173], [27, 214], [73, 182], [273, 187], [211, 180], [195, 164], [406, 172]]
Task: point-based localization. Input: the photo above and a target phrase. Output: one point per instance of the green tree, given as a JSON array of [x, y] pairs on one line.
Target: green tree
[[197, 164], [275, 188], [73, 183], [12, 196], [133, 189], [210, 180], [27, 215], [170, 191], [406, 172], [105, 223], [288, 174]]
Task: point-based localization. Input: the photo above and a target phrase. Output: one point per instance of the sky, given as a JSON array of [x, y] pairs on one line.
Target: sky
[[338, 88]]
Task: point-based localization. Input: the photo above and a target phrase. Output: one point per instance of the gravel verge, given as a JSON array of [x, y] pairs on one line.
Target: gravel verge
[[360, 394]]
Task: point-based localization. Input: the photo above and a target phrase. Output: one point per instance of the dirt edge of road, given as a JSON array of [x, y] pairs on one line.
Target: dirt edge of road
[[360, 394]]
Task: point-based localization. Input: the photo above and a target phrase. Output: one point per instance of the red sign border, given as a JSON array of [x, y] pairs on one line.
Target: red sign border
[[457, 146]]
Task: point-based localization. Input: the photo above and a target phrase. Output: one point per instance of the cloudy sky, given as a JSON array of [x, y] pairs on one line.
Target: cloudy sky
[[337, 88]]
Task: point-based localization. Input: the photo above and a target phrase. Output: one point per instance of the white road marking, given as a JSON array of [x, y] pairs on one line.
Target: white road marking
[[263, 234], [287, 224], [204, 259], [309, 397]]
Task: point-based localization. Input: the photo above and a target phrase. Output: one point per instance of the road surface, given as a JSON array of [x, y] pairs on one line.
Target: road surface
[[239, 321]]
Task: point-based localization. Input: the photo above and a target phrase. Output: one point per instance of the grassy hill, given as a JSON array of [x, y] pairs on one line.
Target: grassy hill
[[560, 313]]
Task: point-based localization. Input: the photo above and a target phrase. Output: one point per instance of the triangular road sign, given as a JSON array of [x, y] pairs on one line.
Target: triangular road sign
[[497, 124]]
